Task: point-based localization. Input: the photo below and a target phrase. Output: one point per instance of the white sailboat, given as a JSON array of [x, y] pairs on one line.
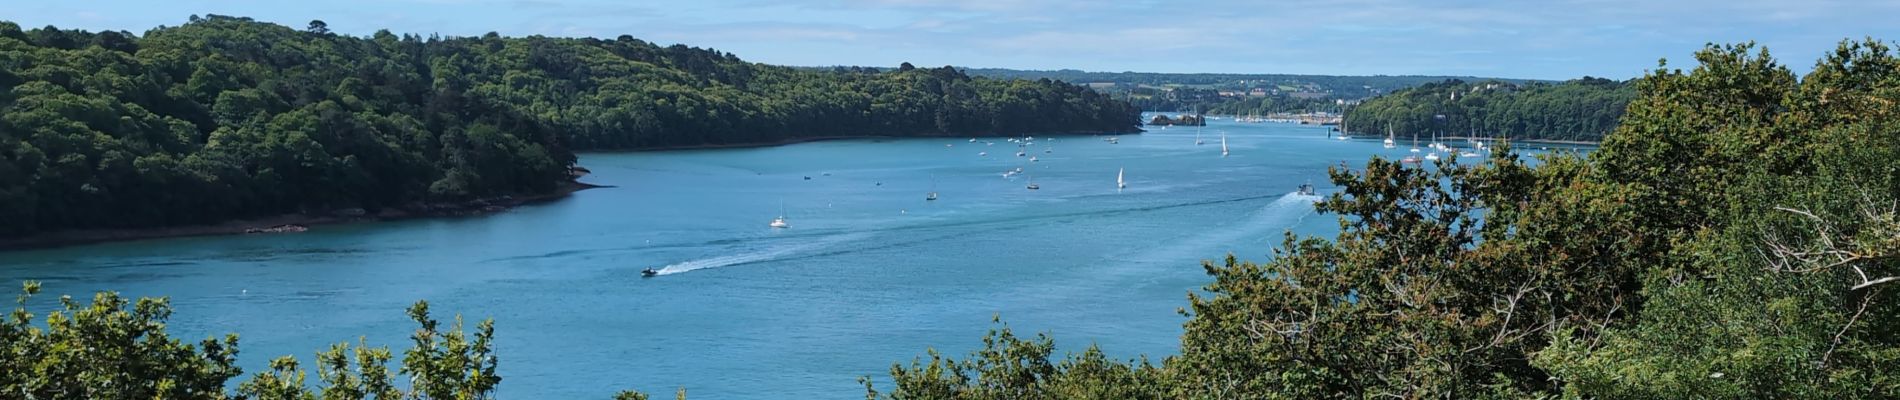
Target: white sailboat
[[1032, 183], [1342, 126], [1388, 138], [1223, 144], [1119, 183], [780, 221], [933, 189], [1197, 136]]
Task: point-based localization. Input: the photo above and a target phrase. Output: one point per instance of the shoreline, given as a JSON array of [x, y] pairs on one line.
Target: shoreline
[[289, 223], [792, 141], [1543, 141], [294, 223]]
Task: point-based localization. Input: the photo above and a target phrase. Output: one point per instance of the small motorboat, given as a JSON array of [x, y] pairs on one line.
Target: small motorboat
[[649, 273], [1306, 189]]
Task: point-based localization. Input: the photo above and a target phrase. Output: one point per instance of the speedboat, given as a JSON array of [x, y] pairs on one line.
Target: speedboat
[[1306, 189], [649, 273]]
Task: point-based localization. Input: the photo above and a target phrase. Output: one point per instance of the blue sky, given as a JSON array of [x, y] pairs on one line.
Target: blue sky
[[1555, 39]]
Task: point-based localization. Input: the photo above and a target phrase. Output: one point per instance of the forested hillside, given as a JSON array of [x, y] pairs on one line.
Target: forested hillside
[[227, 118], [1578, 110]]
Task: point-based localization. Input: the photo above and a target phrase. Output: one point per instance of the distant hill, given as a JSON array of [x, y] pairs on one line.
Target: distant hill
[[1333, 86]]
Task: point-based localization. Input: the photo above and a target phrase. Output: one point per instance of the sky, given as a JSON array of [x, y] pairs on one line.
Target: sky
[[1549, 39]]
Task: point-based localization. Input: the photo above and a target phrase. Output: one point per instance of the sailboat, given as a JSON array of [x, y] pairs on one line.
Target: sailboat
[[1388, 138], [1119, 183], [780, 221], [1412, 159], [1342, 127], [1032, 183], [1223, 144], [1197, 136]]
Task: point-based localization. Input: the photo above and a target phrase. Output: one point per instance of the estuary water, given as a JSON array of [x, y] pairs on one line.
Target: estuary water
[[869, 273]]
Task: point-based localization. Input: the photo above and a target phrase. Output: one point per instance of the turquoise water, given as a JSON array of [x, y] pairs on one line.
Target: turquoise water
[[870, 273]]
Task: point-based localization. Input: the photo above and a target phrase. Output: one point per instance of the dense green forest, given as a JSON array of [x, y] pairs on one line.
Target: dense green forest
[[1579, 110], [1735, 236], [226, 117]]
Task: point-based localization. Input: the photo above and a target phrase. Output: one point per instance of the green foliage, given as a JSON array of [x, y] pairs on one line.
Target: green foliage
[[226, 117], [113, 348], [1010, 367], [1736, 236], [105, 350], [1579, 110]]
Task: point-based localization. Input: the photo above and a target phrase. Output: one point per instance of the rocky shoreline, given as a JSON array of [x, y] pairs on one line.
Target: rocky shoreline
[[293, 223]]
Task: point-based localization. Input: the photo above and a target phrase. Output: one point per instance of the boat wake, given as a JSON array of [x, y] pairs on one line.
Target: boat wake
[[1263, 224], [768, 254], [810, 244]]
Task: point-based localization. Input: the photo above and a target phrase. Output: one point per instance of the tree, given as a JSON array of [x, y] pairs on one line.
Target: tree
[[317, 26], [116, 348]]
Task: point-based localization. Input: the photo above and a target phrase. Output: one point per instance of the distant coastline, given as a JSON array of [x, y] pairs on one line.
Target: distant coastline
[[1543, 141], [793, 141]]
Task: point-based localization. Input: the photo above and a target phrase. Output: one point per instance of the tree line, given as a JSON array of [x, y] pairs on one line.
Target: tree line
[[1584, 109], [1336, 86], [225, 117]]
